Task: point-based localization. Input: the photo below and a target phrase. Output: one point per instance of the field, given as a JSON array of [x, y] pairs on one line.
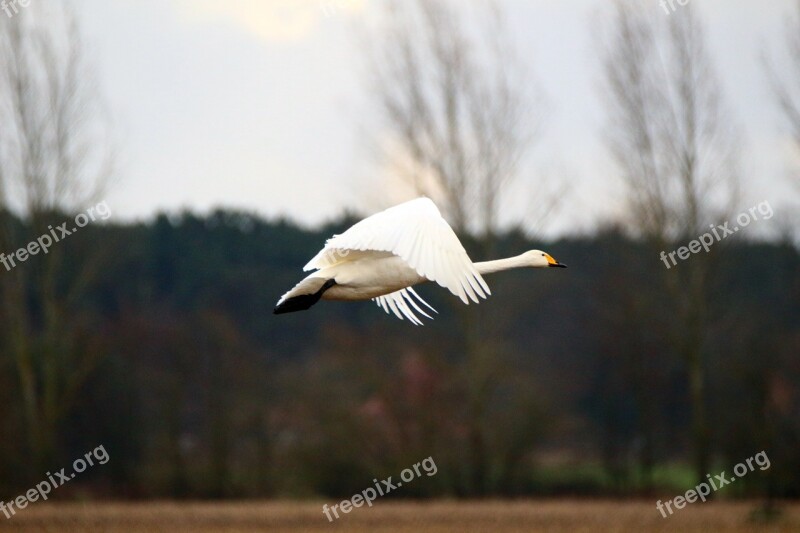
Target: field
[[515, 516]]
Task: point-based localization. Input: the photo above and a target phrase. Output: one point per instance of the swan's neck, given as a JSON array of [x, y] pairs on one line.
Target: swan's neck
[[488, 267]]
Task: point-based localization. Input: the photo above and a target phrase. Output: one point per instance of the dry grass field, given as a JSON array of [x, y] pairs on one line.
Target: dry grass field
[[440, 516]]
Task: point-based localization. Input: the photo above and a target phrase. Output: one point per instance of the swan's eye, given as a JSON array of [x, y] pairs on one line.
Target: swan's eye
[[542, 255]]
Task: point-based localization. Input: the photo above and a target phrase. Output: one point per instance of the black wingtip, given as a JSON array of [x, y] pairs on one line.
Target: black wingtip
[[303, 301], [298, 303]]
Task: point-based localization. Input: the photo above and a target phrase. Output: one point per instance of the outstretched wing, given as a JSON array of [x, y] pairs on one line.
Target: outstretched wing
[[398, 303], [416, 232]]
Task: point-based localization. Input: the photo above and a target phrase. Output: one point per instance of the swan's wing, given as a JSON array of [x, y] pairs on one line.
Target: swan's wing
[[416, 232], [398, 303]]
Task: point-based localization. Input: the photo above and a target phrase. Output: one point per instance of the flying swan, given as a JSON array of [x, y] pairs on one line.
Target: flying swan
[[384, 255]]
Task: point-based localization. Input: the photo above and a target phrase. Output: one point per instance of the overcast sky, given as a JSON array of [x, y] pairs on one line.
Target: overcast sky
[[256, 104]]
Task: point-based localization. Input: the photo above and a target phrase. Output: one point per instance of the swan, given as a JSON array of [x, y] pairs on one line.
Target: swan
[[382, 257]]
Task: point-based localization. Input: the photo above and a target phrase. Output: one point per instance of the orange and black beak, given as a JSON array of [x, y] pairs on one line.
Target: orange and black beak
[[553, 263]]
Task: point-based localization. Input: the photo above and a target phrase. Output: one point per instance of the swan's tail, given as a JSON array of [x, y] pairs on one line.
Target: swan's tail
[[303, 295]]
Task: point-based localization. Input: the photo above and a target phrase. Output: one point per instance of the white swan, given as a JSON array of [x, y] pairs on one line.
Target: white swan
[[384, 255]]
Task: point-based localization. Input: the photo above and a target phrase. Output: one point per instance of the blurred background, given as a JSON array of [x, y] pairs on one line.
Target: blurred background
[[228, 140]]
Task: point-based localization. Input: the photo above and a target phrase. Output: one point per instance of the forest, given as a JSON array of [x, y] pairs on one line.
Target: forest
[[567, 381]]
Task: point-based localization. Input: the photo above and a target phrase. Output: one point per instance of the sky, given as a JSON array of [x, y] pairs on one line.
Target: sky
[[258, 105]]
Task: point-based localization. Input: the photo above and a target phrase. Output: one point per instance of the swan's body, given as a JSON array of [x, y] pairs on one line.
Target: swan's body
[[369, 277], [385, 255]]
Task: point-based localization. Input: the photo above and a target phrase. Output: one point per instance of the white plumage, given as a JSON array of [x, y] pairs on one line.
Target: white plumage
[[416, 232], [384, 255]]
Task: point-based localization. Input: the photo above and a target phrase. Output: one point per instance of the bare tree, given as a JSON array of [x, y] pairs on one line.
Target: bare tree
[[454, 102], [54, 160], [458, 115], [786, 86], [676, 155]]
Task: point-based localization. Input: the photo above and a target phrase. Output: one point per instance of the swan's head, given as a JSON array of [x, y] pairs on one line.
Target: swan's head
[[540, 259]]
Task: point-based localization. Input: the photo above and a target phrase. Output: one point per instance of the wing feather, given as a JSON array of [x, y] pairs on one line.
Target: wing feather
[[398, 303], [393, 306], [416, 232], [414, 304]]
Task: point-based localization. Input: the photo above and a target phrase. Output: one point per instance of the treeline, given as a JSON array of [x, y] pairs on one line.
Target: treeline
[[198, 390]]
